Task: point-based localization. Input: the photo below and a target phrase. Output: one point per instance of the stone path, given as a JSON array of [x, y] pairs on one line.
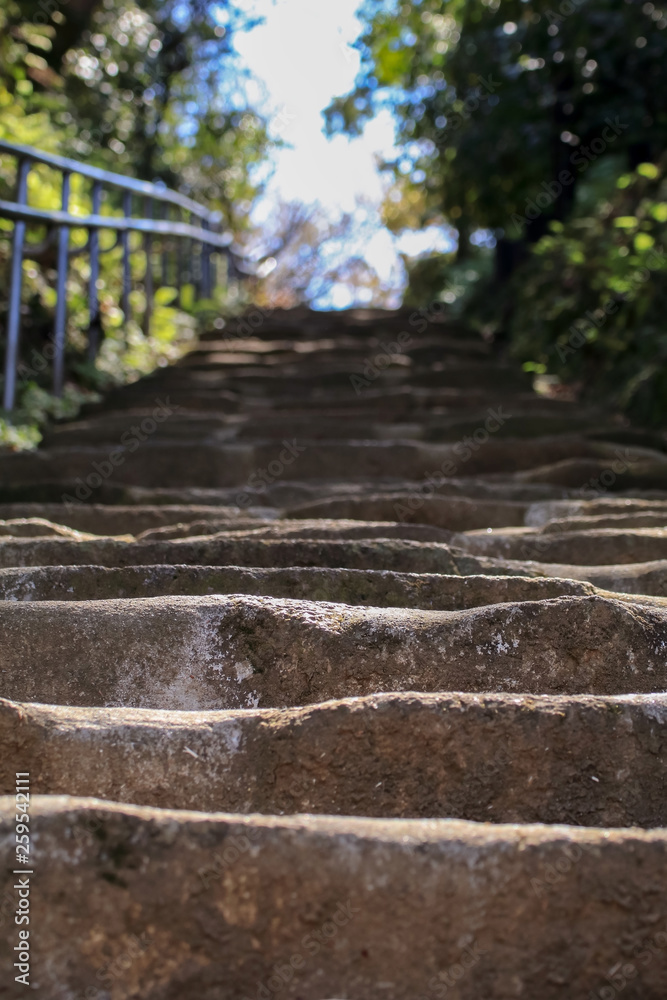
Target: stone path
[[347, 680]]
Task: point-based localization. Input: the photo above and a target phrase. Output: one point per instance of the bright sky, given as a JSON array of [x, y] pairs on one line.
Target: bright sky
[[302, 57]]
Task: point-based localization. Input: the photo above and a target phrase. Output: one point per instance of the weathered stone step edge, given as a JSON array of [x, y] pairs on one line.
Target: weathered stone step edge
[[278, 495], [110, 519], [198, 653], [650, 519], [491, 758], [159, 463], [647, 579], [376, 588], [108, 428], [587, 547], [458, 512], [398, 554], [541, 512], [403, 901], [288, 528]]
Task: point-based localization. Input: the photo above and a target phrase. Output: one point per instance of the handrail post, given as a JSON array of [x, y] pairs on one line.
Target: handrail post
[[164, 248], [148, 277], [125, 243], [196, 263], [61, 293], [94, 323], [16, 283], [179, 271], [205, 265]]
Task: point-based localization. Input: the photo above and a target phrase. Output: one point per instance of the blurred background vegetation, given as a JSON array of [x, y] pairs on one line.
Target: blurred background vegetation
[[152, 90], [538, 130], [534, 130]]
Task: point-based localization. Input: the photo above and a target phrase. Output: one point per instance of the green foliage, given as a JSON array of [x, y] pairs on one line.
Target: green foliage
[[600, 284], [544, 123], [147, 88], [491, 99], [457, 282]]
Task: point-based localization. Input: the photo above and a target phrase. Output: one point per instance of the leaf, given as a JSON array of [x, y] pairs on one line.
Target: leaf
[[626, 222], [648, 170], [643, 241], [165, 296]]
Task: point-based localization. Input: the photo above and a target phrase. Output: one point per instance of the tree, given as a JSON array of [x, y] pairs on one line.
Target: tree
[[150, 88], [147, 88], [494, 102], [303, 255]]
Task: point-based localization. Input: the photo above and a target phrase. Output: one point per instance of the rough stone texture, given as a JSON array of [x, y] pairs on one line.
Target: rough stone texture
[[102, 519], [339, 528], [240, 652], [221, 550], [301, 595], [490, 758], [375, 588], [368, 908], [590, 547]]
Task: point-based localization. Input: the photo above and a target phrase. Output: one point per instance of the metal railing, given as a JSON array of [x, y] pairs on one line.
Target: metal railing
[[201, 236]]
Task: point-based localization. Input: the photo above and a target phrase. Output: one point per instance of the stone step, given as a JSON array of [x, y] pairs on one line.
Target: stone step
[[197, 653], [487, 758], [653, 519], [647, 578], [548, 510], [281, 494], [589, 547], [374, 588], [364, 668], [157, 903], [396, 554], [392, 402], [451, 512], [102, 519], [40, 527], [591, 475], [321, 528], [142, 460]]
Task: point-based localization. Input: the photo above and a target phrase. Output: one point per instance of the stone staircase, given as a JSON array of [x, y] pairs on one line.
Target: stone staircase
[[337, 658]]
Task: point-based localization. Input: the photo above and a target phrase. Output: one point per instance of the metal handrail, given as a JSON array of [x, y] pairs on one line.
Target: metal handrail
[[202, 230], [9, 210], [145, 188]]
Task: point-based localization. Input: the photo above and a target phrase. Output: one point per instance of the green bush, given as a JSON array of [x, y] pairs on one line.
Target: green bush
[[589, 304]]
